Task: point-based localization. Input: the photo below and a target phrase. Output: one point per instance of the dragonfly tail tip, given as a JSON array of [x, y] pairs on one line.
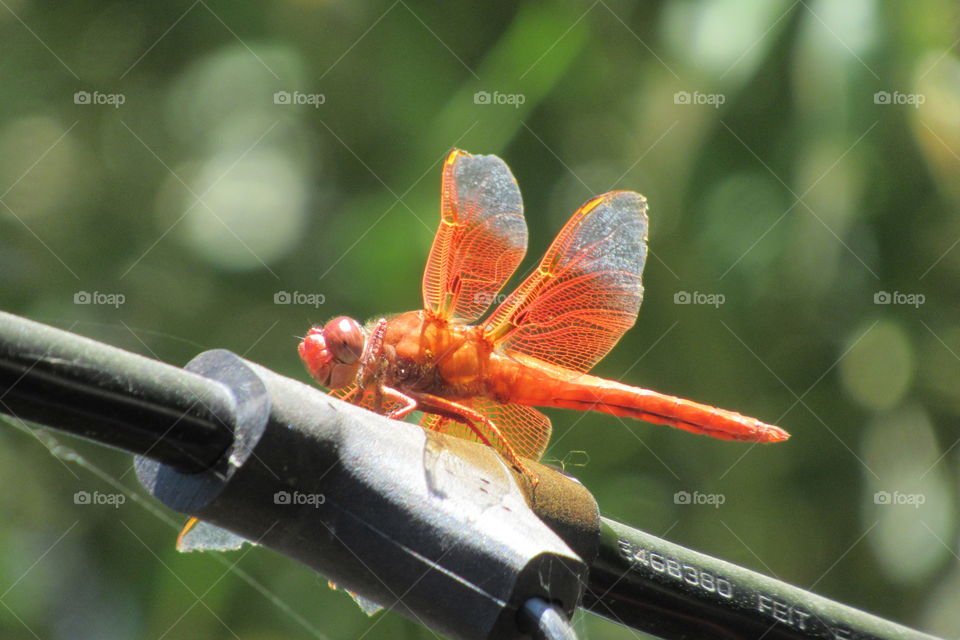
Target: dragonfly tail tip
[[770, 433]]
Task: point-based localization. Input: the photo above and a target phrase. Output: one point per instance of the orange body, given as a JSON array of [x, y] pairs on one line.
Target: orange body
[[421, 354], [480, 379]]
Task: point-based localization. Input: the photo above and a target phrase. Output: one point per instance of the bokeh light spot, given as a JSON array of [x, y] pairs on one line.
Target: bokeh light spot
[[879, 368]]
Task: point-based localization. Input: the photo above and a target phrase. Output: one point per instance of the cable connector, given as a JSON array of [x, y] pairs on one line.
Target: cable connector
[[381, 507]]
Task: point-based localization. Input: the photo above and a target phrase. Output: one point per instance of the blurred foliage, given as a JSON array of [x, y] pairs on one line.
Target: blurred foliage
[[801, 161]]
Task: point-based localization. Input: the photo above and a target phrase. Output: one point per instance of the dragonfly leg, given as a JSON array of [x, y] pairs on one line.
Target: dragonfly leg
[[455, 411], [409, 403]]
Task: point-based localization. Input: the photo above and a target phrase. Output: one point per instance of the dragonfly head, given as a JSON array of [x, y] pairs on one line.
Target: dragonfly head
[[332, 352]]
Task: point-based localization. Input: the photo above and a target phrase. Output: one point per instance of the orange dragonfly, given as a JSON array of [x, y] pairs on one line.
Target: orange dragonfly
[[482, 379]]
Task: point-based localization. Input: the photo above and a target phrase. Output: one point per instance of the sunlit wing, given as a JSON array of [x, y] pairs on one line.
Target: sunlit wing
[[351, 393], [203, 536], [527, 429], [481, 240], [587, 290]]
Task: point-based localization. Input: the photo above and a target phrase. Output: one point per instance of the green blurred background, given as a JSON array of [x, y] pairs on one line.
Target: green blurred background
[[143, 154]]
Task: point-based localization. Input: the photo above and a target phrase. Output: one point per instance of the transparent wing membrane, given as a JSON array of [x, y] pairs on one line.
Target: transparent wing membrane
[[587, 290], [526, 429], [481, 240]]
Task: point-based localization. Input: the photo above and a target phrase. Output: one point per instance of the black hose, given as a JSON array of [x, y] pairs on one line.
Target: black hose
[[542, 620], [90, 389], [670, 591]]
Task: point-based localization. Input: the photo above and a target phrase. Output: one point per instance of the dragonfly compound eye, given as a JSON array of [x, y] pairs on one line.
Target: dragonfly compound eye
[[344, 337]]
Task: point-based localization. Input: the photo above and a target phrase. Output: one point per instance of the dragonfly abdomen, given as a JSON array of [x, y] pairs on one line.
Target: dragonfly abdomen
[[590, 393]]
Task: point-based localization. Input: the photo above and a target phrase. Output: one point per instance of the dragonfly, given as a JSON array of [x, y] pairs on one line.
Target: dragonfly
[[481, 379]]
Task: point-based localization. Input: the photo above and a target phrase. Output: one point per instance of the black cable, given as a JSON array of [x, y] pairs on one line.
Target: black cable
[[432, 527], [115, 397], [670, 591], [542, 620]]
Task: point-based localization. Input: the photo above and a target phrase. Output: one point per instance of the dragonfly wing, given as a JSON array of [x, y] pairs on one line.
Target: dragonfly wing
[[365, 398], [481, 240], [347, 393], [526, 429], [198, 535], [587, 290]]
